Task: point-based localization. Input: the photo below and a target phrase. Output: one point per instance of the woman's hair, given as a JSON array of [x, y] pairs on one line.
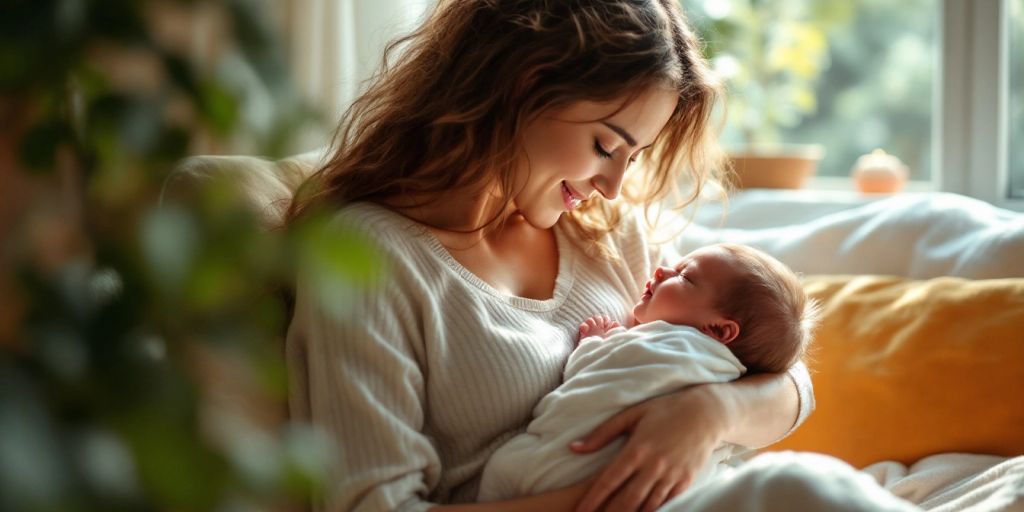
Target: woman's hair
[[450, 104], [776, 317]]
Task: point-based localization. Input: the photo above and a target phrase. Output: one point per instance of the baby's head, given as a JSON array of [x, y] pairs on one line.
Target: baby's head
[[738, 295]]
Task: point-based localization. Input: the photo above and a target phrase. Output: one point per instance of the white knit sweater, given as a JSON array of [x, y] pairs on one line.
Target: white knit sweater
[[427, 374]]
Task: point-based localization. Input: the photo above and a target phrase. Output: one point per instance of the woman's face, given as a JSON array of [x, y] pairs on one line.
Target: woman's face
[[571, 158]]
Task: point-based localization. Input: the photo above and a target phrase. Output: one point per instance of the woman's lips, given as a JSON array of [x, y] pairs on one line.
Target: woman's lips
[[570, 197]]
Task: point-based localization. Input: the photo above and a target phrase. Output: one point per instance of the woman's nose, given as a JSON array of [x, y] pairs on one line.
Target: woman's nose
[[609, 184]]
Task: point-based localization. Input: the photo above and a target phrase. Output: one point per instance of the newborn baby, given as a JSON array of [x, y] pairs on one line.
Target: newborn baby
[[719, 312]]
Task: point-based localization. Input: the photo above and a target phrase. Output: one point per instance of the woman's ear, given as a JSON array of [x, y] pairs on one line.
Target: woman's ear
[[723, 330]]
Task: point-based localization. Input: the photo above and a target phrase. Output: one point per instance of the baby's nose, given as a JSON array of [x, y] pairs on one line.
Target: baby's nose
[[661, 272]]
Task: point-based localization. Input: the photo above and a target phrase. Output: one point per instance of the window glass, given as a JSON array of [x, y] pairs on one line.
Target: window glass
[[1016, 125], [852, 76]]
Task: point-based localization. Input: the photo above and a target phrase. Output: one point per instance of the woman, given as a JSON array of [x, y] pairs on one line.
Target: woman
[[489, 163]]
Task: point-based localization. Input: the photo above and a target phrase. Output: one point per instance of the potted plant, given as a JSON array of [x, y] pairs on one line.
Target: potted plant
[[771, 54]]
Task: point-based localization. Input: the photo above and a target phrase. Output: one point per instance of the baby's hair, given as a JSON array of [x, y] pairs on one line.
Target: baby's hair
[[776, 317]]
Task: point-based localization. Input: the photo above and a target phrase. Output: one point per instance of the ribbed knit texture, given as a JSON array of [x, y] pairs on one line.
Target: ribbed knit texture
[[432, 370]]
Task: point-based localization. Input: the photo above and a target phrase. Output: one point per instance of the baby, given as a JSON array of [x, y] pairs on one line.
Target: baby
[[735, 294], [721, 311]]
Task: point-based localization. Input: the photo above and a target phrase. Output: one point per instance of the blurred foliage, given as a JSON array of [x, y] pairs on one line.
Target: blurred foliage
[[771, 53], [121, 319], [875, 81]]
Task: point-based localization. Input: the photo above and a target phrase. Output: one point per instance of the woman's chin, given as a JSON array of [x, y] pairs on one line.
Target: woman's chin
[[542, 220]]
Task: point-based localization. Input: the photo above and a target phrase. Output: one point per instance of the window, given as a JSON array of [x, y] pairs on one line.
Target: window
[[1016, 126], [851, 76]]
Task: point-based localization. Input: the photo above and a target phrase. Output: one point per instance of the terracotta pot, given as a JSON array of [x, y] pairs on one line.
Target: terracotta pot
[[782, 166]]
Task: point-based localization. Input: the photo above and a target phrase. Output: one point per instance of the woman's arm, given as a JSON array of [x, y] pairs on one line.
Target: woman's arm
[[759, 409], [365, 391]]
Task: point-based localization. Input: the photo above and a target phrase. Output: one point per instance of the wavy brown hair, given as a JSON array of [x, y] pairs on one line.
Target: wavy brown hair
[[450, 104]]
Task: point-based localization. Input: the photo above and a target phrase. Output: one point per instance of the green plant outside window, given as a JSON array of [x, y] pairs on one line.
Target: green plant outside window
[[852, 76]]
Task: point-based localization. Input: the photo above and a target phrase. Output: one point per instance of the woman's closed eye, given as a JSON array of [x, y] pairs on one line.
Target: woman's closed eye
[[603, 153]]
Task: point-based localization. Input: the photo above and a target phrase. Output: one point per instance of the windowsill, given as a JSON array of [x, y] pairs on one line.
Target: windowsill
[[1016, 205], [846, 188], [838, 183], [843, 189]]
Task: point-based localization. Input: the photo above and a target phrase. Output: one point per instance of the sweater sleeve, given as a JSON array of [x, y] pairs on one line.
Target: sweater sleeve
[[366, 392], [805, 391]]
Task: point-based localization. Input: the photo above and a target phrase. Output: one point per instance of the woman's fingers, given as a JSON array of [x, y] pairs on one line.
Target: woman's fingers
[[658, 496], [621, 423], [632, 495], [678, 489], [607, 483]]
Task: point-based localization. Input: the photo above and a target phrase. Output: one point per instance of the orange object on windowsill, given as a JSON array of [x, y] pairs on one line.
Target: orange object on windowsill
[[879, 173]]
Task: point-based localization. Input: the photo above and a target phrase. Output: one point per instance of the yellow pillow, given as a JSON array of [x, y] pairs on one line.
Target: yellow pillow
[[904, 369]]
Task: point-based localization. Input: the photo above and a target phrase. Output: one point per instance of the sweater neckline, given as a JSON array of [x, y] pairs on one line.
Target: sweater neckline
[[563, 281]]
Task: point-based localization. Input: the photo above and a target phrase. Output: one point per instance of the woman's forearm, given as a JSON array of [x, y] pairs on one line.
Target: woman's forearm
[[555, 501], [761, 408]]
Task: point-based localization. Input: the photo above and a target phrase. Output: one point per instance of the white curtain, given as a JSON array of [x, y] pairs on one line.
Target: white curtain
[[335, 45]]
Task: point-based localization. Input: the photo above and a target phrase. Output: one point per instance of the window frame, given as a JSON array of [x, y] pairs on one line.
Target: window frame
[[972, 130], [970, 125]]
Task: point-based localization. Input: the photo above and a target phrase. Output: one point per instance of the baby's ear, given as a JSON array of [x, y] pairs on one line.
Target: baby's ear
[[723, 330]]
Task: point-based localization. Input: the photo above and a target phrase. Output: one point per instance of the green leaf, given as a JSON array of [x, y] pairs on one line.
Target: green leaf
[[39, 147], [219, 108]]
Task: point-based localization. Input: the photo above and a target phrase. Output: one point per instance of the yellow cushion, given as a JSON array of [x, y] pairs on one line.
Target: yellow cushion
[[904, 369]]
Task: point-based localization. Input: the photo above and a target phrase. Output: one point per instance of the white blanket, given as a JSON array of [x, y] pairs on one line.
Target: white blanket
[[786, 481], [956, 482], [603, 377]]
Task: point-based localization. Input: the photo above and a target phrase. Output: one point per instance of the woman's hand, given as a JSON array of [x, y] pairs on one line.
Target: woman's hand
[[670, 440]]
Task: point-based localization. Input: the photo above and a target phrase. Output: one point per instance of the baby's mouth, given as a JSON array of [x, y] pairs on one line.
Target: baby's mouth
[[648, 291]]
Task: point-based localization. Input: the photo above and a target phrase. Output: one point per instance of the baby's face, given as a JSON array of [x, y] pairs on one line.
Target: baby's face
[[685, 293]]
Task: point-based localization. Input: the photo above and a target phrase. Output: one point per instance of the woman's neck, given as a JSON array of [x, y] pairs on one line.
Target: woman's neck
[[465, 214]]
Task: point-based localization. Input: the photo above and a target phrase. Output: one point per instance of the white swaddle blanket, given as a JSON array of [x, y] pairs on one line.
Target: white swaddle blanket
[[603, 377]]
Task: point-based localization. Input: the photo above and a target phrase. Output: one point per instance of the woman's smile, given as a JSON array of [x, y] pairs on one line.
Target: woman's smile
[[571, 197]]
